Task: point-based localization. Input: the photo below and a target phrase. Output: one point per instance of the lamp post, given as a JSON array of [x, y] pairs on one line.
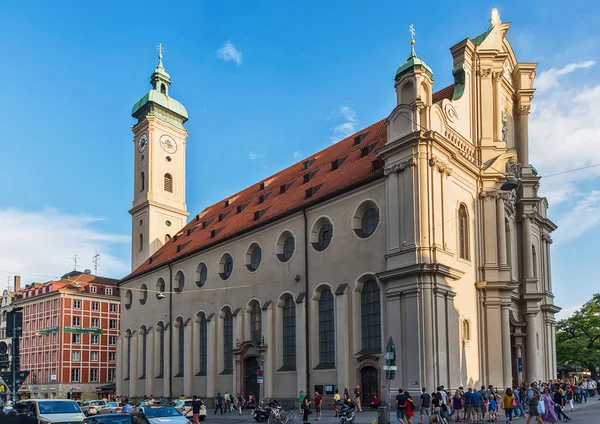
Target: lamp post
[[15, 340]]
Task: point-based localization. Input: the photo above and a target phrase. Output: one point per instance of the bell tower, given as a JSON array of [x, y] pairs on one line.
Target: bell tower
[[159, 141]]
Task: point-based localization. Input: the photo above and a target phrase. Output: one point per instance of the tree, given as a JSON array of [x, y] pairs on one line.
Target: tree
[[578, 337]]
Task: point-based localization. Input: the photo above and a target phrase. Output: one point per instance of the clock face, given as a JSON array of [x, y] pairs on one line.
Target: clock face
[[142, 143], [168, 144]]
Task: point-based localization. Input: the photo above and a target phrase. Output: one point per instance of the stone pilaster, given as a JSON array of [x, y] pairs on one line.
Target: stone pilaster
[[188, 353], [150, 361], [506, 345], [497, 78], [211, 355], [531, 348], [342, 352], [500, 230]]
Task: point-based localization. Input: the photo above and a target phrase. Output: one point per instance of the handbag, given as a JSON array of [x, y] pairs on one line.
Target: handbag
[[514, 403], [541, 408]]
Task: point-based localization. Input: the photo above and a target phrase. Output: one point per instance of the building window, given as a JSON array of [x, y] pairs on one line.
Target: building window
[[55, 303], [112, 356], [370, 316], [255, 323], [289, 245], [534, 260], [144, 351], [95, 322], [161, 352], [76, 322], [112, 324], [226, 266], [321, 234], [141, 243], [77, 304], [201, 275], [228, 341], [179, 282], [112, 340], [180, 348], [142, 182], [253, 257], [93, 289], [94, 375], [143, 294], [113, 307], [128, 336], [108, 291], [203, 343], [128, 299], [160, 288], [95, 356], [95, 306], [365, 219], [463, 232], [168, 183], [326, 329], [289, 334], [94, 339], [74, 375], [111, 374], [466, 330], [76, 339], [76, 356]]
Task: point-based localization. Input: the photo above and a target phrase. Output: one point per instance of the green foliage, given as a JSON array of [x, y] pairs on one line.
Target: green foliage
[[578, 337]]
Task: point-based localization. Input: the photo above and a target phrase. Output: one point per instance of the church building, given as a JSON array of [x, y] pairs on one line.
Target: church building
[[425, 228]]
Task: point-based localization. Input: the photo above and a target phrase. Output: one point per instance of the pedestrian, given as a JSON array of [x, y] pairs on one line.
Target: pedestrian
[[410, 407], [336, 402], [375, 401], [476, 406], [559, 404], [569, 396], [357, 395], [548, 415], [318, 403], [467, 403], [227, 399], [508, 403], [424, 404], [218, 403], [400, 404], [492, 406], [301, 397], [240, 402], [457, 404], [22, 417], [126, 406], [306, 408], [533, 397], [346, 396], [196, 407]]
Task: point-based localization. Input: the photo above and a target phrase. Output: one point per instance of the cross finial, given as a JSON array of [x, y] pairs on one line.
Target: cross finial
[[160, 50], [411, 28]]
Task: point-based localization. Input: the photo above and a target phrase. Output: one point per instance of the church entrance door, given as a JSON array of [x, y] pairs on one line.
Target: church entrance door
[[251, 385], [369, 378]]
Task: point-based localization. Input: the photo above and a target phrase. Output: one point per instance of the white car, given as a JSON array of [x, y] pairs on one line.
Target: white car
[[91, 407], [163, 414], [54, 410], [111, 408]]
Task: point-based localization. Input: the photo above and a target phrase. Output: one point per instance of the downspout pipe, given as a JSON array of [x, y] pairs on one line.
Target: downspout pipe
[[170, 331], [306, 302]]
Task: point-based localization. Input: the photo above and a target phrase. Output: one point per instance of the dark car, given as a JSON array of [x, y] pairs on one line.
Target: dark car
[[130, 418]]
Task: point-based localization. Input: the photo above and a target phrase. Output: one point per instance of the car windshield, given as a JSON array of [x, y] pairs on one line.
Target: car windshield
[[112, 404], [165, 411], [123, 419], [58, 407]]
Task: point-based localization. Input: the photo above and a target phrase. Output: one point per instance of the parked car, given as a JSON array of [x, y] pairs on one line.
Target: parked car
[[183, 405], [91, 407], [54, 410], [117, 418], [110, 408], [163, 414]]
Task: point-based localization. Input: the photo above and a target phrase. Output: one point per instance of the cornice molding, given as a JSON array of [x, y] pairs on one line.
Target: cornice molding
[[442, 167], [398, 167]]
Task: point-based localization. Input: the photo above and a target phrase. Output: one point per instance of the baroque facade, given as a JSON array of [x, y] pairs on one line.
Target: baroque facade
[[425, 227]]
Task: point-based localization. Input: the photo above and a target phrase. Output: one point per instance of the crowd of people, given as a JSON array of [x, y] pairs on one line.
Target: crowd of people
[[540, 402]]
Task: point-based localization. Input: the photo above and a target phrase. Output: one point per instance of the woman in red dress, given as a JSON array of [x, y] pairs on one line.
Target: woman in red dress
[[410, 408]]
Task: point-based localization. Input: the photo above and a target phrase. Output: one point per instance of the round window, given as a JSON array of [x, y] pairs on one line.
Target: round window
[[369, 221], [160, 289], [289, 245], [201, 275], [254, 257], [226, 267], [325, 235], [179, 282], [143, 294], [128, 299]]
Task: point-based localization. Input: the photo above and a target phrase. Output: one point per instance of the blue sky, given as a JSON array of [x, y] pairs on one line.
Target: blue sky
[[293, 76]]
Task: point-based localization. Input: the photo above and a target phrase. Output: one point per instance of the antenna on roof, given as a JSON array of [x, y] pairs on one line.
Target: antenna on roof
[[74, 259], [95, 261]]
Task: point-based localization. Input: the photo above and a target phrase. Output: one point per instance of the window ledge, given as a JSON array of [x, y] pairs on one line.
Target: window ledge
[[369, 352], [178, 375], [125, 379], [143, 377], [226, 372], [201, 374], [287, 368], [324, 367], [159, 376]]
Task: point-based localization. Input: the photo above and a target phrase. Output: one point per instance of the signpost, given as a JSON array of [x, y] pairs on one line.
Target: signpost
[[390, 369], [14, 329], [18, 378]]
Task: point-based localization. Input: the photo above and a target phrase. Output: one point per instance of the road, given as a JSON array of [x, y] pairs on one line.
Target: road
[[586, 414]]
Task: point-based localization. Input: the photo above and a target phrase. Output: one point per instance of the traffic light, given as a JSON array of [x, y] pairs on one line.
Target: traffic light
[[3, 355], [17, 363]]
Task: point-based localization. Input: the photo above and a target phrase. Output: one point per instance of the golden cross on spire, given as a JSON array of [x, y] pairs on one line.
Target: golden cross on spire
[[160, 50], [411, 28]]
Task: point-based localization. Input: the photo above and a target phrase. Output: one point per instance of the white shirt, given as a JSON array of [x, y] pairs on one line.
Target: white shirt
[[444, 397]]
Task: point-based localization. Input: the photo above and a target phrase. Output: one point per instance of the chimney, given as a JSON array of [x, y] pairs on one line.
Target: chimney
[[17, 283]]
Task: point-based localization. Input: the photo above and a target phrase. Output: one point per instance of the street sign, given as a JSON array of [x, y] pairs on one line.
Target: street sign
[[21, 376], [259, 376], [390, 368]]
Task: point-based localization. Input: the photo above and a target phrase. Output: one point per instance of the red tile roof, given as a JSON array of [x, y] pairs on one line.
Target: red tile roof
[[305, 183], [444, 93]]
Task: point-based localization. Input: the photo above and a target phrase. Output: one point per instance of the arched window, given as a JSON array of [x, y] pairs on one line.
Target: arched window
[[180, 347], [534, 258], [228, 342], [463, 232], [203, 342], [466, 330], [326, 329], [141, 242], [163, 88], [255, 323], [160, 288], [142, 182], [167, 237], [370, 317], [168, 183], [144, 350], [161, 350], [179, 282], [289, 334]]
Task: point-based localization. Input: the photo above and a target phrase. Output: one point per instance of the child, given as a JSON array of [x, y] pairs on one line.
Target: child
[[493, 407]]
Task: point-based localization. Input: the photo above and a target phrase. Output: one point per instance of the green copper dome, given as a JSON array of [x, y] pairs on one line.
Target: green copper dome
[[169, 103], [412, 62]]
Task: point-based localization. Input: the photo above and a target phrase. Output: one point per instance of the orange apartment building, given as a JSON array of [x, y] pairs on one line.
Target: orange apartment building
[[69, 341]]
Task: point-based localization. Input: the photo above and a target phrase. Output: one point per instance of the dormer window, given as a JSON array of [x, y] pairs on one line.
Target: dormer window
[[93, 289]]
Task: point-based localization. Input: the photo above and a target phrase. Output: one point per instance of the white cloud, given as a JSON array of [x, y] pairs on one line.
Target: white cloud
[[567, 311], [229, 53], [253, 156], [564, 133], [549, 79], [346, 128], [38, 245], [297, 154]]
